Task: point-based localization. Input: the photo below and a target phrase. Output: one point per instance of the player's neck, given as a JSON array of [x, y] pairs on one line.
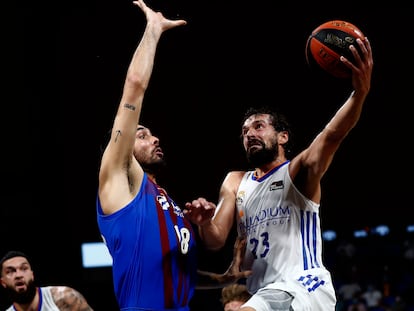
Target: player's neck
[[264, 169], [152, 177], [34, 305]]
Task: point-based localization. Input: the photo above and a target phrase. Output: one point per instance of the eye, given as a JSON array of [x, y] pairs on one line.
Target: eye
[[258, 126], [141, 135]]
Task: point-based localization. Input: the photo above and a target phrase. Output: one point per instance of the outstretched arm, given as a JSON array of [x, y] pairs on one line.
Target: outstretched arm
[[214, 223], [120, 174], [315, 160]]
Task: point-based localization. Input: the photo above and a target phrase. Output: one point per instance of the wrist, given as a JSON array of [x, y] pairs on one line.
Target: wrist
[[206, 224]]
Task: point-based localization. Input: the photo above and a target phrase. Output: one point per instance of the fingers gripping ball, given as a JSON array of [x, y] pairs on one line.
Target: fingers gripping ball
[[328, 42]]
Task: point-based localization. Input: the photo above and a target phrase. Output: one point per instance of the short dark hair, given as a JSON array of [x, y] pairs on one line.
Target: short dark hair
[[12, 254]]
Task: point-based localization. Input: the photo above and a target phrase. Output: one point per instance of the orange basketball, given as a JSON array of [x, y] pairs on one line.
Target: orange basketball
[[328, 42]]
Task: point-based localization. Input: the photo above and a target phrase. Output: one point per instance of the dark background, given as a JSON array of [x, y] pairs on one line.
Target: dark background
[[70, 64]]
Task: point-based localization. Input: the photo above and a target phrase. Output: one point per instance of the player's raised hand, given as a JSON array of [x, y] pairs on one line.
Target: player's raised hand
[[199, 211], [157, 17]]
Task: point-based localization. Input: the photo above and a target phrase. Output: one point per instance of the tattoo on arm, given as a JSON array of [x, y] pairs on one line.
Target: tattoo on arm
[[118, 133], [68, 299], [129, 106]]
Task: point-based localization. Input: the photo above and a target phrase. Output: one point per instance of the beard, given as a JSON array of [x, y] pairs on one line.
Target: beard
[[22, 297], [259, 157], [154, 168]]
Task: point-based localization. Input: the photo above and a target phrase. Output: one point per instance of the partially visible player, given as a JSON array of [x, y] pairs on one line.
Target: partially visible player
[[233, 296], [17, 278]]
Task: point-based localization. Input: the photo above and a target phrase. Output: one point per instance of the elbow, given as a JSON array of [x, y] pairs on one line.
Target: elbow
[[135, 81]]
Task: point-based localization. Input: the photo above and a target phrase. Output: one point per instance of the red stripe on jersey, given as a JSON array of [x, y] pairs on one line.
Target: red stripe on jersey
[[166, 264]]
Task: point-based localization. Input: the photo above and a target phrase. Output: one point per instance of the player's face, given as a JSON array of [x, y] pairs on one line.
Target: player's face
[[17, 274], [259, 139], [257, 132], [147, 148], [18, 280]]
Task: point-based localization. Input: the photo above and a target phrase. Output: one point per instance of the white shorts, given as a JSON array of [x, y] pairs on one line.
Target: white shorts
[[314, 292]]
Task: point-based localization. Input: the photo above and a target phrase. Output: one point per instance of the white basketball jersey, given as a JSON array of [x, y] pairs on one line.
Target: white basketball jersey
[[283, 231], [46, 301]]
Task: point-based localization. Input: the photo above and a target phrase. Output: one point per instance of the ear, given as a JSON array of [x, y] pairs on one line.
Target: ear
[[282, 137]]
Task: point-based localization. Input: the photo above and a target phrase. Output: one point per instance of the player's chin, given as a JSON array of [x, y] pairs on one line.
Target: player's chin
[[253, 149]]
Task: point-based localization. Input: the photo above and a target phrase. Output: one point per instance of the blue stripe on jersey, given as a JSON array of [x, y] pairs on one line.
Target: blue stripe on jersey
[[302, 233], [314, 237], [308, 225]]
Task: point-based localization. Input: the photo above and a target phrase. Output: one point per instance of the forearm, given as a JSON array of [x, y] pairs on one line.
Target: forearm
[[142, 63], [140, 69], [348, 115], [211, 236]]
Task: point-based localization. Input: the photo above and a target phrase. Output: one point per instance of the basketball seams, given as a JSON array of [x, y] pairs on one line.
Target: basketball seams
[[328, 42]]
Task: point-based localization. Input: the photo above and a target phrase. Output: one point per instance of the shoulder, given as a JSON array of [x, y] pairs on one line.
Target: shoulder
[[232, 181], [234, 176], [59, 291], [65, 296]]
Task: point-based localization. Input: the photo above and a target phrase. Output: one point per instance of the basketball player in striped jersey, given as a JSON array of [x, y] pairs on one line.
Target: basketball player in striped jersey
[[277, 204]]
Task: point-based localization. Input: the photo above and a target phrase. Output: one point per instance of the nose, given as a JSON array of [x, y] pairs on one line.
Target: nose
[[156, 140], [19, 273], [250, 133]]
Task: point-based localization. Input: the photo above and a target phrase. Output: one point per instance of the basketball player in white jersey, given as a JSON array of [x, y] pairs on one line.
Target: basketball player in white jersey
[[17, 277], [277, 204]]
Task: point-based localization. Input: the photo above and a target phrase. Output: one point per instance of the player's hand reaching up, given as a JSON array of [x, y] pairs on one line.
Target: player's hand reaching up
[[157, 18]]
